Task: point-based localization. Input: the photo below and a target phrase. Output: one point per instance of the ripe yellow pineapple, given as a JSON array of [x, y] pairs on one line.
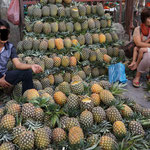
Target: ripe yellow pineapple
[[107, 143], [14, 109], [51, 79], [8, 122], [107, 58], [57, 61], [96, 88], [59, 135], [41, 138], [26, 140], [39, 114], [96, 99], [102, 38], [60, 98], [65, 61], [73, 61], [31, 94], [119, 129], [75, 135]]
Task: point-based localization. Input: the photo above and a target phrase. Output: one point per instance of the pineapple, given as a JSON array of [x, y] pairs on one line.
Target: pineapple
[[26, 140], [98, 114], [38, 27], [93, 8], [59, 135], [96, 88], [1, 112], [16, 133], [70, 27], [73, 61], [49, 90], [37, 12], [9, 103], [95, 38], [97, 24], [45, 82], [136, 128], [81, 39], [88, 10], [86, 119], [77, 87], [88, 39], [67, 77], [82, 10], [41, 138], [119, 129], [30, 10], [46, 28], [85, 54], [36, 44], [87, 70], [113, 114], [105, 84], [17, 91], [115, 51], [91, 23], [95, 72], [103, 23], [43, 45], [62, 26], [74, 12], [86, 103], [126, 111], [82, 75], [51, 43], [14, 109], [76, 78], [54, 27], [27, 44], [20, 46], [146, 112], [107, 143], [65, 61], [39, 114], [49, 132], [110, 51], [96, 99], [102, 38], [92, 139], [61, 11], [60, 98], [73, 101], [67, 43], [65, 88], [99, 55], [77, 27], [45, 11], [75, 135], [7, 146], [58, 78], [100, 10], [28, 111], [108, 38], [63, 120], [107, 97], [57, 61], [71, 122], [84, 25], [8, 122], [121, 54], [114, 36], [92, 57], [53, 10], [37, 84], [31, 94]]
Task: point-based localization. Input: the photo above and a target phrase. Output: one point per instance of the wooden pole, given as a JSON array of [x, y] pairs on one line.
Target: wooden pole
[[129, 17], [21, 18]]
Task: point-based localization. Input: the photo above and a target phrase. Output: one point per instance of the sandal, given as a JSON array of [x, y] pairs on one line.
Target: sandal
[[136, 84]]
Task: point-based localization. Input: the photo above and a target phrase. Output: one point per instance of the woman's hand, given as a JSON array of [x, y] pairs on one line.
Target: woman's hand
[[4, 83], [36, 68]]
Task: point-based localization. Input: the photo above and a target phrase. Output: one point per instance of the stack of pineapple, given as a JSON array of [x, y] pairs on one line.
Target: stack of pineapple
[[68, 118], [70, 107]]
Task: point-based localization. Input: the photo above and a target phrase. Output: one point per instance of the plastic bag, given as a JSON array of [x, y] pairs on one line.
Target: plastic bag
[[13, 13], [116, 73]]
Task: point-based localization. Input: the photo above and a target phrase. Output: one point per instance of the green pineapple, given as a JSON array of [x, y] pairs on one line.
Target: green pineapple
[[20, 46], [49, 63], [37, 84], [62, 26], [115, 51], [45, 82], [100, 10], [54, 27], [86, 119], [95, 72], [61, 11], [93, 7], [91, 23], [87, 70], [98, 114], [53, 10], [38, 27], [43, 45], [97, 24], [73, 101], [86, 103], [67, 11], [71, 122], [85, 53], [49, 90], [110, 51], [77, 87], [136, 128], [84, 25], [65, 88], [82, 10], [45, 11], [36, 44], [113, 114], [92, 139], [46, 28], [37, 12], [88, 10], [27, 44], [58, 78], [82, 74], [30, 10], [108, 38], [77, 27], [81, 39], [99, 55], [105, 84], [103, 23], [88, 39], [17, 91], [70, 27]]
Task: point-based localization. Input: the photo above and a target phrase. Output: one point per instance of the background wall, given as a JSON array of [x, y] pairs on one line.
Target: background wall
[[15, 33]]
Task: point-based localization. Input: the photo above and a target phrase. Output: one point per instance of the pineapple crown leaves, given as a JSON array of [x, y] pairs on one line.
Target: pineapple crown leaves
[[94, 146], [5, 136], [118, 88], [20, 100], [40, 102], [132, 142], [33, 125]]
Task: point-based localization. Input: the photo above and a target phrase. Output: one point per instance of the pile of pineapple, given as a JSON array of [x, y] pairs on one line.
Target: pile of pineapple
[[73, 106]]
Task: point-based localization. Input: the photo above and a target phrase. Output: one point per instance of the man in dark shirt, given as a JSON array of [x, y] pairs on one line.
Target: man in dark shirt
[[8, 51]]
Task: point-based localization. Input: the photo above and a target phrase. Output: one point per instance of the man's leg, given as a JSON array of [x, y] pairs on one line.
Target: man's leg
[[16, 76], [136, 80]]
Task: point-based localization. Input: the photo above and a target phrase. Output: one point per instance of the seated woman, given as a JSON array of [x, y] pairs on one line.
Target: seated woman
[[142, 47]]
